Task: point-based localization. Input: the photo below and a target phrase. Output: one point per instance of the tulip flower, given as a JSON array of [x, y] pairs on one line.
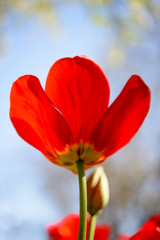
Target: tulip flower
[[67, 229], [71, 119], [149, 231], [152, 224]]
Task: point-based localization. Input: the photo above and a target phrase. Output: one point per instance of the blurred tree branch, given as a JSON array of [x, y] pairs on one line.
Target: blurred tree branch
[[18, 12], [127, 20]]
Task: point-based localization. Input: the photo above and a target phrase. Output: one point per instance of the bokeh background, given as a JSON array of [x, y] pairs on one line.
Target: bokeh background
[[123, 36]]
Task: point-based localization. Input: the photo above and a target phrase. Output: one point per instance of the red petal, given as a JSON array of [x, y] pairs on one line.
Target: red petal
[[35, 118], [67, 229], [123, 118], [147, 235], [153, 223], [80, 90], [102, 232], [53, 233]]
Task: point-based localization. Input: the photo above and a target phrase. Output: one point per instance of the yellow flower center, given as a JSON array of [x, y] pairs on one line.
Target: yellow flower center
[[82, 151]]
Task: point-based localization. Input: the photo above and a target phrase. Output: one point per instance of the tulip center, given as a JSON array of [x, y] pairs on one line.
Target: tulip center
[[84, 151]]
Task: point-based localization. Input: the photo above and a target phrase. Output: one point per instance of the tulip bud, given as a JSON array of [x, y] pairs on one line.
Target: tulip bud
[[97, 191]]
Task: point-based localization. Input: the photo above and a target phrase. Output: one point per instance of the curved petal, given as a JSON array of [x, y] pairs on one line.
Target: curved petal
[[35, 118], [146, 235], [153, 223], [79, 89], [66, 229], [123, 118]]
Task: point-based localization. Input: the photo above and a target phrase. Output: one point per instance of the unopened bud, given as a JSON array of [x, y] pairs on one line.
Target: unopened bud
[[97, 191]]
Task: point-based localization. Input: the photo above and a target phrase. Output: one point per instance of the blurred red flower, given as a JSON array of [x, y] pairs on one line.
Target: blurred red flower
[[149, 231], [67, 229], [153, 223], [71, 118]]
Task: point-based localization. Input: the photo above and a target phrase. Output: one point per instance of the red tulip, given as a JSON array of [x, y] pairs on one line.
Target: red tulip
[[147, 235], [71, 119], [153, 223], [67, 229], [149, 231]]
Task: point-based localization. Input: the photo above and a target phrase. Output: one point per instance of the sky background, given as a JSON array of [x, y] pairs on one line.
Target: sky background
[[34, 192]]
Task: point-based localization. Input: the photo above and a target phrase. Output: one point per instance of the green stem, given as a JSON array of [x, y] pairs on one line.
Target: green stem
[[92, 226], [83, 200]]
